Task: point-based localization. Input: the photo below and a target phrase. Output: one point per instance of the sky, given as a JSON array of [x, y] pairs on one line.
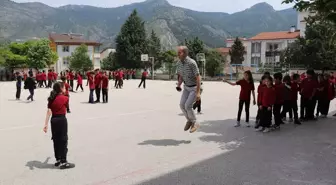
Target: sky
[[228, 6]]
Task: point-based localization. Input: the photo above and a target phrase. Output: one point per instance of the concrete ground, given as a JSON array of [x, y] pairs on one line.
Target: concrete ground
[[138, 138]]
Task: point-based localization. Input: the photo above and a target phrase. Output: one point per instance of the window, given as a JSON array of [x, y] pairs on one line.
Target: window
[[65, 48], [256, 47], [255, 62], [65, 61], [96, 49]]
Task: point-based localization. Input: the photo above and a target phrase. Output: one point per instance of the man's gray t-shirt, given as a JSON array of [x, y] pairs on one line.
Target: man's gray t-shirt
[[188, 70]]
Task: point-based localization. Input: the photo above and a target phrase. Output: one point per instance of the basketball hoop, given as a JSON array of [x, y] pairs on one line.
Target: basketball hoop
[[144, 57], [200, 57]]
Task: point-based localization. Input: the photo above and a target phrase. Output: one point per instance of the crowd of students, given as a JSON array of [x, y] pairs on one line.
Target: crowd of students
[[278, 96]]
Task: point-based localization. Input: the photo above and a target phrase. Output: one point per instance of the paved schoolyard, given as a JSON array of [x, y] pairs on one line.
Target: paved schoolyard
[[138, 138]]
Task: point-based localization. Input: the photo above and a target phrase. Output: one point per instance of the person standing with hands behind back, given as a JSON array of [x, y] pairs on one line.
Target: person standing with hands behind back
[[188, 73], [247, 86], [57, 108]]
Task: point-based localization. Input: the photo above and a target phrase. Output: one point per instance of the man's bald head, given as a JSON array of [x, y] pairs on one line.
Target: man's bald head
[[183, 52]]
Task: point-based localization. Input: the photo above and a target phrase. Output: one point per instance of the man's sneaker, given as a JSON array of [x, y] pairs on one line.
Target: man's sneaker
[[238, 124], [187, 126], [66, 165], [290, 120], [297, 122], [266, 130], [194, 128], [247, 124], [57, 163], [259, 129], [334, 115], [276, 127]]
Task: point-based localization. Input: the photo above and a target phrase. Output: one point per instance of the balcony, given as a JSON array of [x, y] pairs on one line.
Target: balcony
[[272, 53]]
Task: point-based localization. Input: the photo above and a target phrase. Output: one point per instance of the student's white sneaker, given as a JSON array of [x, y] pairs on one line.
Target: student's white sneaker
[[266, 130], [247, 124], [237, 124], [259, 129]]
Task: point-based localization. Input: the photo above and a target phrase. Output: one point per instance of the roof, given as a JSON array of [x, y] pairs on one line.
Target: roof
[[233, 39], [224, 51], [68, 38], [277, 35], [107, 49]]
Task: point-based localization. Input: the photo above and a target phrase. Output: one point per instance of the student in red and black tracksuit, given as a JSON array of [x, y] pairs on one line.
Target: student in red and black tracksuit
[[308, 88], [105, 85], [121, 78], [279, 99], [71, 77], [331, 93], [91, 86], [268, 100], [97, 81], [79, 81], [44, 79], [57, 105], [55, 76], [116, 78], [66, 93], [87, 78], [259, 98], [295, 89], [325, 93], [50, 78], [143, 79], [247, 86], [287, 97]]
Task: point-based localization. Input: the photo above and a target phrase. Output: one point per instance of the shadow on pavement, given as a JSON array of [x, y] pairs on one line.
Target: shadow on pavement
[[40, 165], [164, 142], [295, 155]]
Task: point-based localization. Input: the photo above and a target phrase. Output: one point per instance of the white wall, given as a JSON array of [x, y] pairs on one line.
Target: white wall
[[106, 53], [60, 66], [301, 24]]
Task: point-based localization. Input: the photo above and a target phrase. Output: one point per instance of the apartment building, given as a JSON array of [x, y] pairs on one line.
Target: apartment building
[[65, 44]]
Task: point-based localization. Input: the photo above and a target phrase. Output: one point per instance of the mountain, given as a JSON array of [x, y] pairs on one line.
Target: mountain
[[172, 24]]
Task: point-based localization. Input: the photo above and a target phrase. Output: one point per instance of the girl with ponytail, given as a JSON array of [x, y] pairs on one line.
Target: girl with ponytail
[[57, 109]]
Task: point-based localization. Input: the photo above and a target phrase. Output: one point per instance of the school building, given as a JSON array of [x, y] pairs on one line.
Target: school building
[[65, 44], [266, 47]]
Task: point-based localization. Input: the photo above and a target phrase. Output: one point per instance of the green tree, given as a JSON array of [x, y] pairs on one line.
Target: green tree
[[110, 63], [11, 60], [154, 49], [80, 60], [195, 47], [317, 50], [14, 55], [39, 54], [168, 58], [131, 42], [214, 63], [323, 8], [237, 52]]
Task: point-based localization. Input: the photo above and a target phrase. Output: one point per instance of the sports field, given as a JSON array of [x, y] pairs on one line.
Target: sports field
[[138, 138]]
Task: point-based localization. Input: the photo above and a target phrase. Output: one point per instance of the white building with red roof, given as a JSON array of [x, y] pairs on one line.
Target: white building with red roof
[[65, 44]]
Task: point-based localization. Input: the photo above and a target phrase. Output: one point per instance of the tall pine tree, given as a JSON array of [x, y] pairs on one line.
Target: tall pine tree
[[131, 42], [237, 53], [154, 46]]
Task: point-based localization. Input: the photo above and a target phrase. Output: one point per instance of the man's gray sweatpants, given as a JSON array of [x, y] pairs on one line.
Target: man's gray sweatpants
[[188, 98]]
